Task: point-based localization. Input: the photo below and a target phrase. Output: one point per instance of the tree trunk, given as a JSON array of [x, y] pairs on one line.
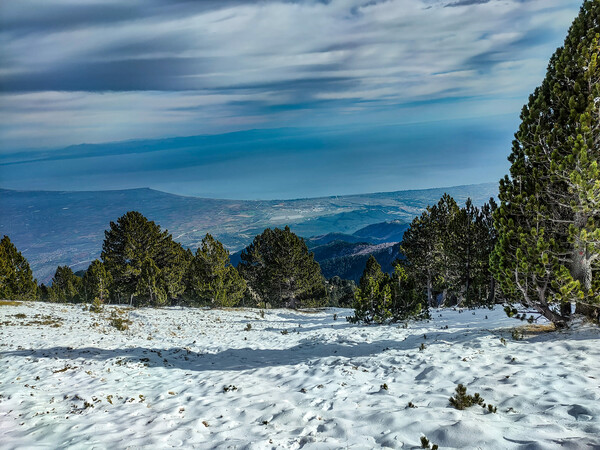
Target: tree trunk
[[581, 261], [492, 294], [565, 309], [558, 320], [429, 289], [591, 311]]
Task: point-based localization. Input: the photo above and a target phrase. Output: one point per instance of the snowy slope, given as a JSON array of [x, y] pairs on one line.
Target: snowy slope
[[304, 380]]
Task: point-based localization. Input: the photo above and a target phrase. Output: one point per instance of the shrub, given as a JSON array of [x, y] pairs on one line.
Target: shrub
[[462, 401]]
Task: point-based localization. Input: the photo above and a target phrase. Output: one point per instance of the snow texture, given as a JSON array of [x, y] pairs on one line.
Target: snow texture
[[196, 378]]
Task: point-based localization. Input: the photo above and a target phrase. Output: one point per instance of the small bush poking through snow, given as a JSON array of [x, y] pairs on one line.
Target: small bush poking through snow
[[120, 323], [96, 306], [462, 400], [517, 335], [425, 444], [248, 327]]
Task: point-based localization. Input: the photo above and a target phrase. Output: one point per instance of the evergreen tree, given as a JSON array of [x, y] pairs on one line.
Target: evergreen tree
[[372, 272], [65, 286], [408, 301], [16, 278], [279, 268], [341, 292], [447, 252], [96, 282], [212, 279], [548, 246], [419, 245], [149, 288], [446, 264], [43, 293], [484, 284], [373, 298], [144, 261], [381, 298]]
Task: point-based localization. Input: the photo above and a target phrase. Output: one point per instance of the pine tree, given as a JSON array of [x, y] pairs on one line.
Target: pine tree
[[419, 245], [548, 246], [144, 261], [149, 288], [96, 282], [66, 286], [428, 248], [341, 292], [381, 298], [16, 278], [408, 300], [212, 279], [446, 266], [279, 268], [372, 272], [373, 298]]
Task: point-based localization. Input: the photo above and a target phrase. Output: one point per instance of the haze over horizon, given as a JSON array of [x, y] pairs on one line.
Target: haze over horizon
[[329, 97]]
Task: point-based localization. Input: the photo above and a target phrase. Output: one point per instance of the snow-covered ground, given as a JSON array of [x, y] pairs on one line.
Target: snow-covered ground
[[194, 378]]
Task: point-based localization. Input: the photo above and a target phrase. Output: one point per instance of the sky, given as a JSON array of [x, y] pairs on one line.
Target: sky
[[286, 98]]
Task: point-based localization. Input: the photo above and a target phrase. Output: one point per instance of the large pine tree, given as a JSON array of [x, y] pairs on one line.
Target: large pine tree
[[447, 251], [145, 263], [66, 286], [16, 278], [548, 250], [212, 280], [96, 282], [279, 268]]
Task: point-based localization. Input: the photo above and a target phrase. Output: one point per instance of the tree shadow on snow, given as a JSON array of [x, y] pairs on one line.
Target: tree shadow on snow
[[239, 359]]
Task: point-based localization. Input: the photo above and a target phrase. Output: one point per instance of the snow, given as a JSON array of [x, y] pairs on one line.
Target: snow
[[318, 386]]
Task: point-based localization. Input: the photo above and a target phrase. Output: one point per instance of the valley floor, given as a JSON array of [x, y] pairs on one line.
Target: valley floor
[[195, 378]]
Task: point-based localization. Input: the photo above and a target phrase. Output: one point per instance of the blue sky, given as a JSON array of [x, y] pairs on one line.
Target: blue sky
[[351, 96]]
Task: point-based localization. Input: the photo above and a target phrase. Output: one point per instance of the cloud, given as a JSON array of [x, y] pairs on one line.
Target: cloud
[[466, 3], [136, 69]]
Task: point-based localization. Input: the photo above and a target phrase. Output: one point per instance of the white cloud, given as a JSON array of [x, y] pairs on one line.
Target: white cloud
[[185, 69]]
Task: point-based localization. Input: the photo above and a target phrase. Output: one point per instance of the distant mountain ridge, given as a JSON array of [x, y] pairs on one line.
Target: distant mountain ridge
[[345, 255], [54, 228]]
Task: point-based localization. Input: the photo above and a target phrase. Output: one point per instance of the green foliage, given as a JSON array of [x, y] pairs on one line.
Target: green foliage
[[16, 278], [373, 298], [381, 298], [462, 401], [510, 311], [426, 444], [151, 285], [96, 282], [548, 251], [97, 305], [341, 292], [447, 252], [281, 271], [65, 286], [118, 322], [145, 263], [212, 279]]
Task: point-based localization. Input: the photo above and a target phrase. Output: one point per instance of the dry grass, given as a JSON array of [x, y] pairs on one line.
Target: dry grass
[[9, 303], [536, 329]]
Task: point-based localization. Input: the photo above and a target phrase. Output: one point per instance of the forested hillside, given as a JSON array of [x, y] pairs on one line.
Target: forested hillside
[[66, 228]]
